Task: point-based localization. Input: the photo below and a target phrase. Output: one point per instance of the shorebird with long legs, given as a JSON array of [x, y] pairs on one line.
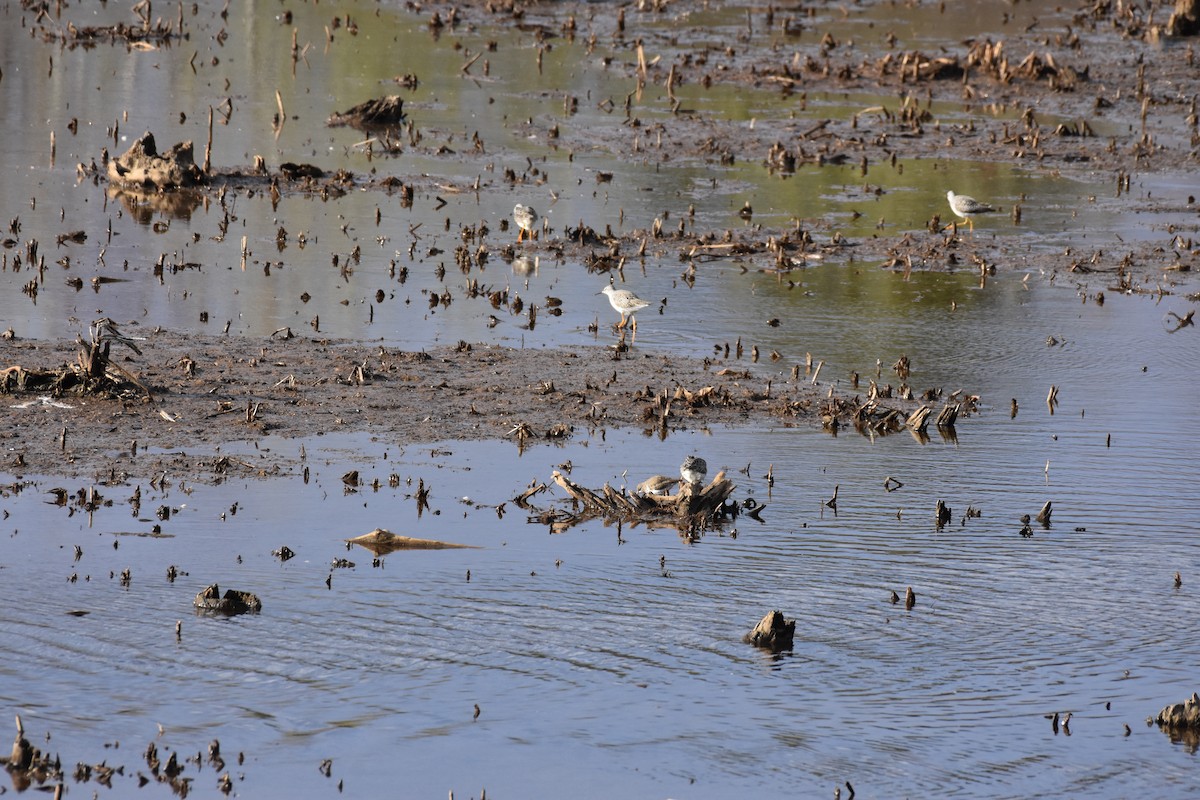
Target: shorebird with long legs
[[966, 207], [625, 303]]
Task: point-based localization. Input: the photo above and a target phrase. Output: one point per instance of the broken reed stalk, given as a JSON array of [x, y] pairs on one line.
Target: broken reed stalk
[[208, 144]]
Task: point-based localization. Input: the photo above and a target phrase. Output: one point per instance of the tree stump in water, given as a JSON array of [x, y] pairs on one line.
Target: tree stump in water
[[1185, 19], [772, 633], [1181, 715]]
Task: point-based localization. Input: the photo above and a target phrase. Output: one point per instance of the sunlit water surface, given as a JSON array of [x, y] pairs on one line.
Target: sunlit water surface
[[604, 662]]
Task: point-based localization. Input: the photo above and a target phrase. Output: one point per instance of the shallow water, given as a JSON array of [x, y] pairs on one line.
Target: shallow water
[[603, 674]]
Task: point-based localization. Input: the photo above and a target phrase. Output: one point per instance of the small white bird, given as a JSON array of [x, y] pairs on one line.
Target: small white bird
[[966, 207], [693, 470], [625, 303], [526, 218]]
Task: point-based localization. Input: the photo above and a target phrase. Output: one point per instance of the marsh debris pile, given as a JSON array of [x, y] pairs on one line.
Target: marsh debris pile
[[692, 509], [234, 601], [28, 765], [1181, 721], [94, 371], [142, 166]]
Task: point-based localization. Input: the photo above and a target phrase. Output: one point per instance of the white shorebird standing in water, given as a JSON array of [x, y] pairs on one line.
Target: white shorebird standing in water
[[625, 303], [693, 470], [526, 219], [966, 207]]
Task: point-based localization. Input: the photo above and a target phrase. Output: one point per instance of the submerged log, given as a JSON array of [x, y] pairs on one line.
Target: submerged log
[[381, 542], [772, 633]]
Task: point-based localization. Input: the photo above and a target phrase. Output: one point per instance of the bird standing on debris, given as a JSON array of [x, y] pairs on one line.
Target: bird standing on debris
[[655, 484], [526, 218], [104, 329], [693, 470]]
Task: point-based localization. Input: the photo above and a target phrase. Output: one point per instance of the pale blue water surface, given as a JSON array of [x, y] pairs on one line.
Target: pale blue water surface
[[604, 662]]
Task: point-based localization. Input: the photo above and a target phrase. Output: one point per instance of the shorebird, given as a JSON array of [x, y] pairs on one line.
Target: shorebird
[[526, 218], [625, 303], [104, 329], [966, 207], [656, 484], [693, 470]]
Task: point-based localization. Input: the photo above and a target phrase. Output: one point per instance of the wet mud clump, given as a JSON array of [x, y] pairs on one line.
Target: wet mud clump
[[142, 166]]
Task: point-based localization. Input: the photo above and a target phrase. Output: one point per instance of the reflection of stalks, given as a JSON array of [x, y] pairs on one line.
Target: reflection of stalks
[[1181, 322], [279, 119]]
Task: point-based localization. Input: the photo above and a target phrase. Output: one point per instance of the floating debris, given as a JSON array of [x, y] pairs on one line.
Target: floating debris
[[233, 602], [381, 542], [772, 633]]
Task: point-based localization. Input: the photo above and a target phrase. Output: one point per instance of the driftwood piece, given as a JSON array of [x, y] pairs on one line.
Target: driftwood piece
[[233, 601], [142, 165], [522, 500], [381, 542], [948, 416], [1185, 19], [919, 419], [772, 633]]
